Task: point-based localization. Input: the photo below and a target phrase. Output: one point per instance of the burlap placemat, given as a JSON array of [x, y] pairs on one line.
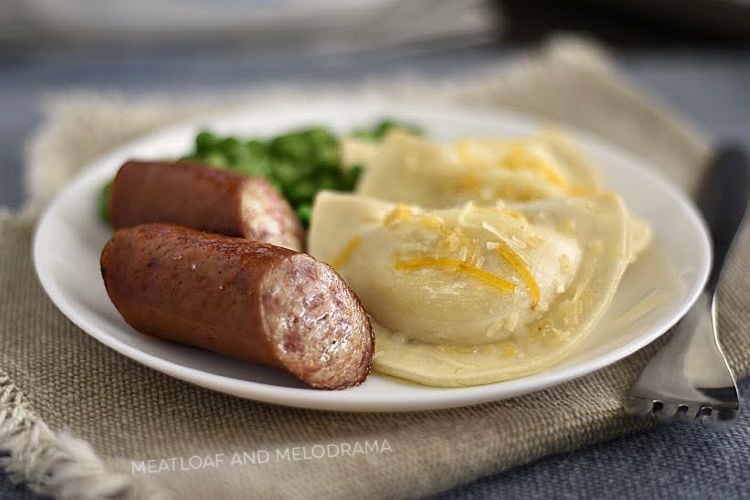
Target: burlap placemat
[[78, 420]]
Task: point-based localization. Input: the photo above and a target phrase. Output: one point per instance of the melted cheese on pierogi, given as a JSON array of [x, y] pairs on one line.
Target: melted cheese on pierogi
[[475, 294]]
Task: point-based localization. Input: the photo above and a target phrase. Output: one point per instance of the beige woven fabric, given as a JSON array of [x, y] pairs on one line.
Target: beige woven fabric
[[128, 412]]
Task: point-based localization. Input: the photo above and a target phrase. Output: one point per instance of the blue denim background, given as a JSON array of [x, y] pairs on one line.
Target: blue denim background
[[710, 86]]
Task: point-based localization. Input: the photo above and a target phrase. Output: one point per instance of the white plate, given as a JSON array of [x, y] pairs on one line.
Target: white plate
[[70, 237]]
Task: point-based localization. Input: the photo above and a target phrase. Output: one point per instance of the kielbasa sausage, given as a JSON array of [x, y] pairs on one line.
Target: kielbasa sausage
[[249, 300], [205, 198]]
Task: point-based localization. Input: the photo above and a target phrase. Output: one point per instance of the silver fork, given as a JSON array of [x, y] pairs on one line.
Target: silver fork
[[689, 379]]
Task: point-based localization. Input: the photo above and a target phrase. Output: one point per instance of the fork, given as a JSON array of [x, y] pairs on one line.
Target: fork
[[689, 379]]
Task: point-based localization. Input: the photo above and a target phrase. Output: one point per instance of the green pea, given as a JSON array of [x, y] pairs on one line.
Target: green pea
[[256, 147], [216, 159], [378, 131], [303, 190], [329, 182], [290, 147], [286, 172], [304, 211], [321, 136], [327, 158], [256, 168], [351, 177], [205, 142], [104, 196]]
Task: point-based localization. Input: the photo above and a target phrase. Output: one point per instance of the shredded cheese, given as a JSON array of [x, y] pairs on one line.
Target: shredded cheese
[[509, 350], [344, 256], [520, 158], [515, 214], [457, 265], [517, 263], [400, 213], [432, 222], [469, 184]]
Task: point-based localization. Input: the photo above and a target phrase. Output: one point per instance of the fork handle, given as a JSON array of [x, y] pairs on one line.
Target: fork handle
[[723, 201]]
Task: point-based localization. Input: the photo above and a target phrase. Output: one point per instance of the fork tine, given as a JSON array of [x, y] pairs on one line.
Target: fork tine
[[665, 412], [686, 413], [639, 406], [680, 411], [668, 411], [705, 414], [724, 414]]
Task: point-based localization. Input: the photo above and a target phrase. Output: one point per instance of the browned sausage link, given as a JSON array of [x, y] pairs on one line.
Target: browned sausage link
[[205, 198], [245, 299]]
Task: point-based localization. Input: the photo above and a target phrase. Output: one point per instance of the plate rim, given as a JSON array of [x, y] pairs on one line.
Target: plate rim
[[330, 400]]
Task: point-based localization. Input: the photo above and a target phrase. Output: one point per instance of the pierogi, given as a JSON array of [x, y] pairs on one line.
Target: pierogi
[[475, 294], [411, 169]]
